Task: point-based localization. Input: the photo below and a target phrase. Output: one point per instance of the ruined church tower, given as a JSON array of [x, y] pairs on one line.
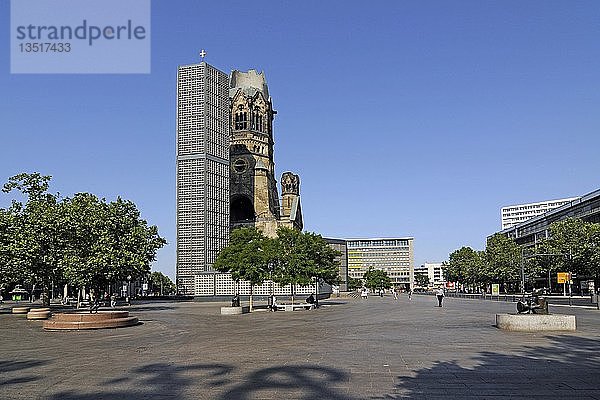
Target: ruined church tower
[[253, 187]]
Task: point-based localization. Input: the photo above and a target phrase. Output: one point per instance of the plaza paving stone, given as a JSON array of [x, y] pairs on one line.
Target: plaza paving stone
[[349, 349]]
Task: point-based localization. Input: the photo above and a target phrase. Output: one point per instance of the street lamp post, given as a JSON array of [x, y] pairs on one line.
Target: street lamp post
[[128, 290]]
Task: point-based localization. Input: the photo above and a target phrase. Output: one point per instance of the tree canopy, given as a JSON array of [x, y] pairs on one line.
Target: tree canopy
[[572, 245], [83, 240], [161, 284], [377, 279], [292, 258], [422, 280], [245, 257]]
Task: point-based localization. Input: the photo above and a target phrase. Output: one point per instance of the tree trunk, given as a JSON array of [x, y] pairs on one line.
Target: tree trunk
[[317, 292], [293, 293], [78, 298], [251, 296]]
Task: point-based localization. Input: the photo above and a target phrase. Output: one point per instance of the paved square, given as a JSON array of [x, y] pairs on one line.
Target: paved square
[[349, 349]]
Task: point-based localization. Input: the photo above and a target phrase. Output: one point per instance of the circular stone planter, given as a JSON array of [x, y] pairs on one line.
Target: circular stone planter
[[20, 310], [82, 321], [39, 313], [536, 322]]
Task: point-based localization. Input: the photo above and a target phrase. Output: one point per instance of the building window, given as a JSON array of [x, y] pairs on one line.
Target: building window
[[241, 120]]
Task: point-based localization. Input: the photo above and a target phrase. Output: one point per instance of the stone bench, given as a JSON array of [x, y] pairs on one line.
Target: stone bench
[[235, 310], [294, 307], [20, 310], [39, 313]]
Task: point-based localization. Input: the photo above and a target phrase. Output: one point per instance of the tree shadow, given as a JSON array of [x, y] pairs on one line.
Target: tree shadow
[[568, 368], [7, 367], [311, 382], [218, 381]]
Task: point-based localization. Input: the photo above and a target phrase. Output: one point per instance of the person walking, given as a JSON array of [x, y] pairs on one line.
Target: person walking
[[410, 294], [439, 293], [365, 293], [395, 293]]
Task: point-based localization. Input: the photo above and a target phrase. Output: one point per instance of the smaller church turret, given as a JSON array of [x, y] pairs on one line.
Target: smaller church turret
[[291, 214]]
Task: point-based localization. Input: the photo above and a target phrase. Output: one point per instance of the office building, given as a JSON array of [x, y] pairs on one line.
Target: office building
[[513, 215], [395, 256], [586, 208], [340, 245], [434, 273]]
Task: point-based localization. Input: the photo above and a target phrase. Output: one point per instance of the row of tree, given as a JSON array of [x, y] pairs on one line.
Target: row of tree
[[292, 258], [81, 240], [572, 245], [373, 279]]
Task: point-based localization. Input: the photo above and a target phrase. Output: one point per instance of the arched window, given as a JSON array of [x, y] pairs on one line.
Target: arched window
[[242, 209], [241, 120]]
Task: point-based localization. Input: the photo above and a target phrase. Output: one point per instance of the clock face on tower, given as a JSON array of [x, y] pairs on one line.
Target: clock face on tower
[[240, 165]]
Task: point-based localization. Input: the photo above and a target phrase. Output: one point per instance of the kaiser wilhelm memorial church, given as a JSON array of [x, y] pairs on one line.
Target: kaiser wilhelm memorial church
[[226, 174]]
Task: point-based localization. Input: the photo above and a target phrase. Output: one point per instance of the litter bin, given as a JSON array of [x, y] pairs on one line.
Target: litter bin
[[594, 297]]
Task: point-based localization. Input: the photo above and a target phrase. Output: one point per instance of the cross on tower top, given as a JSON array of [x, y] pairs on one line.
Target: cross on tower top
[[202, 54]]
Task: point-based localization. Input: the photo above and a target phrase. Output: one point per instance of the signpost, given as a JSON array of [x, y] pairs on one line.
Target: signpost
[[564, 278]]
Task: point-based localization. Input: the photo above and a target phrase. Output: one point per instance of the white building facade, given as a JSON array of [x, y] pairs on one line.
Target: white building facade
[[513, 215], [434, 272]]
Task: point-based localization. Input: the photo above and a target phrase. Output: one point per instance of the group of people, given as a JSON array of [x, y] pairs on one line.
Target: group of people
[[439, 293], [106, 299]]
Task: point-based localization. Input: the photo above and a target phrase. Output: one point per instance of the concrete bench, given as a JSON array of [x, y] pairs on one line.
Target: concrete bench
[[294, 307]]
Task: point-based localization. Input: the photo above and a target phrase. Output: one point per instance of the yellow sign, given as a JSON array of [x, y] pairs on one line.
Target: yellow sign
[[495, 289], [562, 277]]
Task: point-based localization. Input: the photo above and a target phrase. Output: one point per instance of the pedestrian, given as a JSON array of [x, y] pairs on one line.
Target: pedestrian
[[410, 294], [440, 296], [395, 293], [365, 293]]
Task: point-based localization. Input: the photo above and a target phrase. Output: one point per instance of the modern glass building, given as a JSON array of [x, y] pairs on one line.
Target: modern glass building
[[202, 172], [395, 256]]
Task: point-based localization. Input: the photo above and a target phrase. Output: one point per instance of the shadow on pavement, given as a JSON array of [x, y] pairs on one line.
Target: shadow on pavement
[[219, 381], [311, 382], [19, 366], [568, 368]]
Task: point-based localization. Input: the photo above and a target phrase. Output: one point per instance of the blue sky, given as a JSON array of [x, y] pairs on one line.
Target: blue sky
[[417, 118]]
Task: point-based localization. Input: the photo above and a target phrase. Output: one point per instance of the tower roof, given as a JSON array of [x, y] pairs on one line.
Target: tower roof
[[250, 82]]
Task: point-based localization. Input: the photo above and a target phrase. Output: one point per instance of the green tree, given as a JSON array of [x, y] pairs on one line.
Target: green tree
[[106, 241], [422, 280], [320, 260], [574, 244], [465, 266], [161, 284], [291, 266], [82, 239], [9, 269], [502, 260], [354, 284], [377, 279], [245, 258], [36, 247]]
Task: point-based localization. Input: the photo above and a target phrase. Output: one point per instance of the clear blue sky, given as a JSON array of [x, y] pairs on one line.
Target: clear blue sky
[[417, 118]]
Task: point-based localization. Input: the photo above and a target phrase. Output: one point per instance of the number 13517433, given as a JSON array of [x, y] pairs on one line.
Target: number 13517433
[[29, 47]]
